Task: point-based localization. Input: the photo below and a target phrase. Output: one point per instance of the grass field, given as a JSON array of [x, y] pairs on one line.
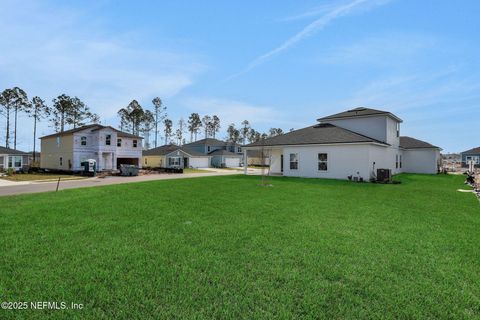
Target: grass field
[[225, 248]]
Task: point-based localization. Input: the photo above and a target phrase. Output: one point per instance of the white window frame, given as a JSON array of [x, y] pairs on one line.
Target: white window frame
[[400, 162], [172, 163], [320, 161], [60, 160], [11, 161], [135, 143], [83, 140], [119, 142], [396, 161], [290, 161], [108, 140]]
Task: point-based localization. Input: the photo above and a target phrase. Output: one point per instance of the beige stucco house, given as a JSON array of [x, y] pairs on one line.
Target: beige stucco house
[[108, 146]]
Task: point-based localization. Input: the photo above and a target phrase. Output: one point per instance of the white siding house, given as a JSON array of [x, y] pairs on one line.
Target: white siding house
[[354, 143], [108, 146]]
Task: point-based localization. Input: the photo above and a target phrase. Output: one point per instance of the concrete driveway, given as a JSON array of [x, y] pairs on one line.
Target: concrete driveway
[[8, 188]]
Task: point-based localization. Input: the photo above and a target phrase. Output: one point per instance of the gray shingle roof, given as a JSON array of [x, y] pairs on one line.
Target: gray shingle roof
[[412, 143], [224, 153], [169, 148], [358, 112], [211, 142], [94, 127], [4, 150], [474, 150], [318, 134]]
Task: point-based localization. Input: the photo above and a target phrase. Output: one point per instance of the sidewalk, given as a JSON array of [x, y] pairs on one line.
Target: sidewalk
[[14, 188]]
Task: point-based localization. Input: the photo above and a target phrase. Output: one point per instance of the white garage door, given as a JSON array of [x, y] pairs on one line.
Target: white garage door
[[232, 162], [199, 162]]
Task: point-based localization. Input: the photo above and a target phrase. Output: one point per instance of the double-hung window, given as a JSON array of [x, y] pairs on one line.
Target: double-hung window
[[108, 139], [174, 161], [83, 141], [293, 161], [322, 162], [400, 156], [119, 142], [14, 161], [396, 161], [135, 143]]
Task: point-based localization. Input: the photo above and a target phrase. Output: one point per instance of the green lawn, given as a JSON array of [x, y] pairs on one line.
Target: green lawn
[[226, 248]]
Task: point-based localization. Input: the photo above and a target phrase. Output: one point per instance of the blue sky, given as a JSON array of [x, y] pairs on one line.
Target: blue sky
[[275, 63]]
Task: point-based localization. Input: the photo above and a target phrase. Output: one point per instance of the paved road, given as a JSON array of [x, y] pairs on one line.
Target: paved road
[[21, 188]]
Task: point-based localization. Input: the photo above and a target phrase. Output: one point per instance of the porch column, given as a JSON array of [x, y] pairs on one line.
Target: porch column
[[245, 161]]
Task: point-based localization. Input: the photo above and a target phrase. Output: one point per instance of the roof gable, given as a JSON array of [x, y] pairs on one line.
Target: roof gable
[[169, 148], [318, 134], [412, 143], [357, 113], [4, 150], [91, 127]]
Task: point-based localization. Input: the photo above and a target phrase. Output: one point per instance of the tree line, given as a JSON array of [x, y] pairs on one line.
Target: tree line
[[65, 111]]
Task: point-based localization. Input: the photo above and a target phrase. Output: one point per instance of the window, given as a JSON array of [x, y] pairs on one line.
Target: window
[[398, 129], [239, 149], [322, 162], [396, 161], [61, 161], [146, 162], [83, 141], [134, 143], [174, 161], [293, 161], [208, 148], [400, 161], [119, 142], [108, 139], [15, 162]]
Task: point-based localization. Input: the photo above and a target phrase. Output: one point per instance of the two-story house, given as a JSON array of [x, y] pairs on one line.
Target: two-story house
[[108, 146], [223, 154], [353, 143]]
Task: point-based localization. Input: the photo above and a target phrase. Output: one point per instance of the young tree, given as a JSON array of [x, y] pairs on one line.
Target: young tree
[[167, 123], [38, 111], [20, 103], [245, 130], [160, 112], [148, 124], [206, 121], [194, 124]]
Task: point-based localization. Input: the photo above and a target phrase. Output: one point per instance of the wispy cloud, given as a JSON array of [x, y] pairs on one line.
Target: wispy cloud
[[329, 14]]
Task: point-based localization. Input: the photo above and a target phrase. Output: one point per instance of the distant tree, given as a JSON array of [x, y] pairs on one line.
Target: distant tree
[[233, 134], [79, 113], [20, 104], [245, 130], [180, 131], [160, 112], [206, 122], [61, 110], [253, 135], [291, 129], [263, 136], [275, 132], [38, 111], [131, 117], [194, 124], [214, 125], [7, 101], [168, 124], [147, 125]]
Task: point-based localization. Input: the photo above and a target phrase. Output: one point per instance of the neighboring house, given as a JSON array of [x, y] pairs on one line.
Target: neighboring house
[[172, 156], [472, 154], [255, 158], [224, 154], [15, 159], [225, 159], [37, 158], [108, 146], [351, 143]]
